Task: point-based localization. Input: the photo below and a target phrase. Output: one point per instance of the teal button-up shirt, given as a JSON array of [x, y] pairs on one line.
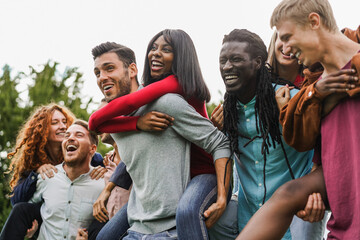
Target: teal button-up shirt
[[251, 164]]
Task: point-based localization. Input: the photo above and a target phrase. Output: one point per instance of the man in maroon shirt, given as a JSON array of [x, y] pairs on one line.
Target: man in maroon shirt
[[309, 32]]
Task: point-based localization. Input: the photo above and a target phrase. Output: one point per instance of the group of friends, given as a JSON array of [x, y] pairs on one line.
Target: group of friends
[[268, 164]]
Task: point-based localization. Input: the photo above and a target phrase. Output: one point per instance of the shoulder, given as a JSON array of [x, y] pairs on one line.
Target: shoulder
[[170, 101]]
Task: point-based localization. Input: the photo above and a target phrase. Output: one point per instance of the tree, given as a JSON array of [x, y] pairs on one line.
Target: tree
[[11, 117], [46, 85]]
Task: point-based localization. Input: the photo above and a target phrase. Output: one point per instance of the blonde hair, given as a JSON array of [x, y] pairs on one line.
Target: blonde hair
[[271, 60], [299, 10]]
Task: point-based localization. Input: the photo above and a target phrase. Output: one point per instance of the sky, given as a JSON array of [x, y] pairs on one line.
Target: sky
[[65, 31]]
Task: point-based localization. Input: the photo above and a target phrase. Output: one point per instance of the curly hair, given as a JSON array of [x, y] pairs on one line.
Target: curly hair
[[30, 153]]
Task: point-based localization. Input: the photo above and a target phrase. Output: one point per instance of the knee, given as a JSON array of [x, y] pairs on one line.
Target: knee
[[185, 210], [21, 207]]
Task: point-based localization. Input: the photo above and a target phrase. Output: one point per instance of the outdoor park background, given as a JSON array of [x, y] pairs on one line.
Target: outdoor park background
[[45, 49]]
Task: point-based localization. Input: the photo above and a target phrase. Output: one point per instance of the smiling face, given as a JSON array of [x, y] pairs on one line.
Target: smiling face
[[57, 127], [77, 147], [238, 69], [112, 77], [301, 41], [282, 58], [161, 58]]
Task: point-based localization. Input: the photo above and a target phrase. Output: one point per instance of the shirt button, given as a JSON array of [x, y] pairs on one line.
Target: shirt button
[[64, 236], [260, 184], [245, 106], [256, 162], [248, 120], [69, 202], [72, 184], [260, 204], [32, 178], [67, 219]]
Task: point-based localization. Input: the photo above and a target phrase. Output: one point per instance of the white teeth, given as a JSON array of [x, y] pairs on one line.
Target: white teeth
[[297, 54], [108, 87], [230, 77], [156, 63], [60, 133], [71, 147]]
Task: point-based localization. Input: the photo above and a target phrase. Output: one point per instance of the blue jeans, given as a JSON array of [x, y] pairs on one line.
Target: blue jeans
[[200, 193], [166, 235], [198, 196], [116, 228]]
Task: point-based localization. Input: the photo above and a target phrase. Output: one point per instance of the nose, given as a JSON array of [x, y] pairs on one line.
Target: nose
[[62, 125], [227, 66], [102, 77], [286, 48], [156, 53]]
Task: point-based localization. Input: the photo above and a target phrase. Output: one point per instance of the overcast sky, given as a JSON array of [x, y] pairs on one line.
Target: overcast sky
[[34, 31]]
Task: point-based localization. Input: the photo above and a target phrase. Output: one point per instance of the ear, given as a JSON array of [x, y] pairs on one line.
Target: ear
[[93, 149], [314, 20], [133, 71], [258, 61]]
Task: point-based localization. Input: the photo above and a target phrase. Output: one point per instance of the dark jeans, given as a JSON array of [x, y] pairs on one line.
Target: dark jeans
[[20, 220]]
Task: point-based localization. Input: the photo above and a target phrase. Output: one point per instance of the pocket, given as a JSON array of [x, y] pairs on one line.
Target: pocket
[[86, 210]]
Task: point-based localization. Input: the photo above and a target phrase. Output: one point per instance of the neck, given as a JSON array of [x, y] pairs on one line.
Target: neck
[[53, 151], [338, 51], [246, 93], [289, 72], [75, 171]]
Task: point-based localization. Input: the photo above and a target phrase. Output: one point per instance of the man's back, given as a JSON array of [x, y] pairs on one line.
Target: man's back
[[159, 162]]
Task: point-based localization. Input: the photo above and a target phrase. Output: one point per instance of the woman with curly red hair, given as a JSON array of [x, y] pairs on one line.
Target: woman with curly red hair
[[37, 151]]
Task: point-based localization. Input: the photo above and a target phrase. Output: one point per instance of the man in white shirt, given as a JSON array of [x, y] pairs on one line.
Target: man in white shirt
[[69, 196]]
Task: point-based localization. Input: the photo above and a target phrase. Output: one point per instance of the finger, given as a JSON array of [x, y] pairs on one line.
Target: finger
[[280, 92], [163, 121], [53, 168], [287, 93], [42, 175], [342, 72], [163, 116], [309, 205], [101, 173], [215, 111]]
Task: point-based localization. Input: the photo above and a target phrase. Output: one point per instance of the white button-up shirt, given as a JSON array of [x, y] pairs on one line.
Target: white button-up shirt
[[68, 205]]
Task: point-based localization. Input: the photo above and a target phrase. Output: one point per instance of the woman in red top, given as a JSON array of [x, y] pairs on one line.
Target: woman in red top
[[171, 66]]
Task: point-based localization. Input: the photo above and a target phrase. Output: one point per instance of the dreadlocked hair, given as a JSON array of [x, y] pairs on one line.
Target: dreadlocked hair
[[266, 110], [30, 152]]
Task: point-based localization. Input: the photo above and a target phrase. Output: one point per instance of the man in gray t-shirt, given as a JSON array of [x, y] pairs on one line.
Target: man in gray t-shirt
[[158, 162]]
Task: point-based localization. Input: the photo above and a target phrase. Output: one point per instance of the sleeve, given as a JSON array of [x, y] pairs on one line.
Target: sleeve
[[192, 126], [126, 104], [40, 187], [25, 189], [300, 118], [119, 124], [97, 160], [121, 177]]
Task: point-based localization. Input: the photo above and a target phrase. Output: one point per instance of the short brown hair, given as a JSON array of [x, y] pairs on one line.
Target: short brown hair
[[93, 136], [299, 10]]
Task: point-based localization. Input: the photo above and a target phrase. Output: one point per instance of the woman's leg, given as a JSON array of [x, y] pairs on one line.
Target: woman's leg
[[20, 220], [116, 227], [277, 213], [198, 196]]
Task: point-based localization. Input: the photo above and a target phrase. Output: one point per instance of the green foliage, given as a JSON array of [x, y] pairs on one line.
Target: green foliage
[[11, 116], [46, 85]]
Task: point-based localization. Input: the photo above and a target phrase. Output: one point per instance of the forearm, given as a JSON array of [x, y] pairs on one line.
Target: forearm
[[223, 167]]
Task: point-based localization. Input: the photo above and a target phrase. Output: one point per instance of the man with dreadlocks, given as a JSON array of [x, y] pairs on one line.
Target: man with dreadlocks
[[251, 121]]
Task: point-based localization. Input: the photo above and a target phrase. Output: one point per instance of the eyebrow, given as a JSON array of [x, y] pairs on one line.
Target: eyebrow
[[104, 65]]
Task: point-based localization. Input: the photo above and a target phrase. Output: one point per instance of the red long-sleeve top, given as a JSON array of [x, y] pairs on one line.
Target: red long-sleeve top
[[110, 118]]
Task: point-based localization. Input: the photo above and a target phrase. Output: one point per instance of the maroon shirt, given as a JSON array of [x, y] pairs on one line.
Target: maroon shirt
[[340, 157]]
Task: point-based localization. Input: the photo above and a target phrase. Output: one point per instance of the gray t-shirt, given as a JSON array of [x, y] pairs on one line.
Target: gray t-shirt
[[159, 162]]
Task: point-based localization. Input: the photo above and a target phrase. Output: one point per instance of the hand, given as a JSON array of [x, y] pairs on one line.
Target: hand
[[47, 170], [98, 172], [340, 81], [31, 231], [314, 210], [282, 96], [217, 117], [82, 234], [99, 209], [107, 158], [214, 212], [154, 121]]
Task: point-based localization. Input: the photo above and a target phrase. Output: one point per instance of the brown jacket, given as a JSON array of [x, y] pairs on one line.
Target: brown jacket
[[301, 117]]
